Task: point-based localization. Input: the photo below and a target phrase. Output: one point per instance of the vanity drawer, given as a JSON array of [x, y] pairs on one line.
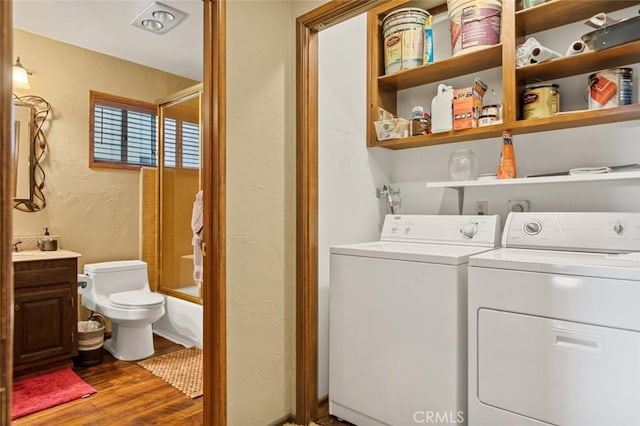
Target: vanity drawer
[[46, 272]]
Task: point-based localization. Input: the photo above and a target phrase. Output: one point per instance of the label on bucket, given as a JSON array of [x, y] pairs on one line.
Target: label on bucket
[[611, 88], [474, 23], [393, 53], [480, 27], [412, 50]]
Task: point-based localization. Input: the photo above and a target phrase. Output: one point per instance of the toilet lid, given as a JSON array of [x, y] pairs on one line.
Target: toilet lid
[[136, 299]]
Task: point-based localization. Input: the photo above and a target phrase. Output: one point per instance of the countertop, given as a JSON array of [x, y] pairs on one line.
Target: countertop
[[30, 255]]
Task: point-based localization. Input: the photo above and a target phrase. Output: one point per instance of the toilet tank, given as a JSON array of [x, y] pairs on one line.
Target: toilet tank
[[118, 276]]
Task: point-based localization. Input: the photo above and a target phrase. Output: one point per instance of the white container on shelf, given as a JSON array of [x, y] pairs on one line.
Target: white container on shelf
[[441, 113]]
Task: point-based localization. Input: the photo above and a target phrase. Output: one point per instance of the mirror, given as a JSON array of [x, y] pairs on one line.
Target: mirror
[[22, 155], [180, 204], [30, 147]]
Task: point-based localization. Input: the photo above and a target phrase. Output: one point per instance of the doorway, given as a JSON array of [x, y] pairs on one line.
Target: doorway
[[214, 170]]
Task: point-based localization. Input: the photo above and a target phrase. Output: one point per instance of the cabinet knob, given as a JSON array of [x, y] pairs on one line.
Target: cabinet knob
[[17, 307]]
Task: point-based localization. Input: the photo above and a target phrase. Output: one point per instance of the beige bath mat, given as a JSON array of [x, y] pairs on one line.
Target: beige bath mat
[[181, 369]]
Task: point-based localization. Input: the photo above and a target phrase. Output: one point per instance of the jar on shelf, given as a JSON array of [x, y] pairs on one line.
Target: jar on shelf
[[463, 165], [419, 125]]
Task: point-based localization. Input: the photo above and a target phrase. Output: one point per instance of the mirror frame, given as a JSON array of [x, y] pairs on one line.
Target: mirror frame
[[40, 110]]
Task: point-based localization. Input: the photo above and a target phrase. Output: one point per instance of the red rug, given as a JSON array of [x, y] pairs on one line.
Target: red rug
[[46, 391]]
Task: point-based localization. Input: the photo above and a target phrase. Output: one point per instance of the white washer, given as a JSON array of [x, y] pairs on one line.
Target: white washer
[[398, 316], [554, 322]]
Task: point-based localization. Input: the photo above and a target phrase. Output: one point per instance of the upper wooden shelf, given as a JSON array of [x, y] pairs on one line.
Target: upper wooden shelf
[[578, 64], [455, 66], [556, 13]]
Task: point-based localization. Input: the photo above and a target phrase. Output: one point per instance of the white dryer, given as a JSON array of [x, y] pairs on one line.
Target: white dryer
[[554, 322], [398, 317]]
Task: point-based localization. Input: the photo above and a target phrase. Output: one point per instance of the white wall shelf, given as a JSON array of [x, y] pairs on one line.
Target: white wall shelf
[[462, 184], [536, 180]]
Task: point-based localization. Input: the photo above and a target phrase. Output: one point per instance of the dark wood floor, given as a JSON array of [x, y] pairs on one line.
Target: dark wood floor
[[127, 395]]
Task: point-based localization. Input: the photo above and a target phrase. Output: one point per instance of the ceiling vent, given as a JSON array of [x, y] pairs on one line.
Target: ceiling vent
[[158, 18]]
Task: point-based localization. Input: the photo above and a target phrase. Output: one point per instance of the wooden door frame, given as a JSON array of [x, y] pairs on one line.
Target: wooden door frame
[[214, 292], [214, 172], [6, 206], [307, 28]]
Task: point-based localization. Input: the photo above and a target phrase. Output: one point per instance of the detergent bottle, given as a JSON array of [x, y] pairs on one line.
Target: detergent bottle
[[441, 110]]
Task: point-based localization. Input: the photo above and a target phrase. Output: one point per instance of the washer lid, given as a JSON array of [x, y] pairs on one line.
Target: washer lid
[[624, 266], [136, 299], [415, 252]]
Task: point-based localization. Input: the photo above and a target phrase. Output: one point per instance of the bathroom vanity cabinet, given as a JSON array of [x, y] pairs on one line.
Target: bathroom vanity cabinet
[[45, 314]]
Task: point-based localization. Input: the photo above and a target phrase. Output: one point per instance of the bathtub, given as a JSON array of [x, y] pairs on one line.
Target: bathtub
[[181, 323]]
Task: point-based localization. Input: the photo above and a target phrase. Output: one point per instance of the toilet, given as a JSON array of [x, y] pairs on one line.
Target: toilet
[[120, 291]]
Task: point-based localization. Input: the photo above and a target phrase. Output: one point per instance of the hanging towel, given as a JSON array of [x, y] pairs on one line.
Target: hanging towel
[[196, 227]]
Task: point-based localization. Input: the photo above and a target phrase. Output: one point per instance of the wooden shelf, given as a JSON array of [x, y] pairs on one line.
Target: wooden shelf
[[446, 137], [562, 121], [562, 12], [536, 180], [577, 119], [456, 66], [579, 64]]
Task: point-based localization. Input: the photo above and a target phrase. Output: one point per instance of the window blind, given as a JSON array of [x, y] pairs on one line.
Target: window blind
[[123, 134]]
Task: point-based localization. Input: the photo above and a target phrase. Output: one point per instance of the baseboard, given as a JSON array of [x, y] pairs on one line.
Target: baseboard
[[323, 407], [283, 421], [323, 413]]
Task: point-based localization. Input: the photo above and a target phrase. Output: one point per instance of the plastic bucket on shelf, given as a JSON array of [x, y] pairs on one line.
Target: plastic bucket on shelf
[[403, 33], [474, 24], [90, 342]]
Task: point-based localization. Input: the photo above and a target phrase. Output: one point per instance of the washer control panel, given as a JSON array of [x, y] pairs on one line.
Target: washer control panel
[[443, 229], [575, 231]]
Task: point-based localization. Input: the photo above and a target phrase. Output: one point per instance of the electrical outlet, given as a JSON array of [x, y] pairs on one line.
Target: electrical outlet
[[519, 205], [482, 207]]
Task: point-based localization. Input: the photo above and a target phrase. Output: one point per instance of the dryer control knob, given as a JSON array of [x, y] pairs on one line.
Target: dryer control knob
[[618, 228], [532, 228], [407, 227], [469, 230]]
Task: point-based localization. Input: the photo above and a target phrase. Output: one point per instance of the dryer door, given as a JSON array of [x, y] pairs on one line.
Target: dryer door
[[560, 372]]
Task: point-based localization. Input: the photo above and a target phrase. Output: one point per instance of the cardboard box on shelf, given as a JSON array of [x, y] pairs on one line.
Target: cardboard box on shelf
[[467, 105]]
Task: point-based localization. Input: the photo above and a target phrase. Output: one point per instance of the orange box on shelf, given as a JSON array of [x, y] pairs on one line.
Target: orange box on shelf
[[467, 105]]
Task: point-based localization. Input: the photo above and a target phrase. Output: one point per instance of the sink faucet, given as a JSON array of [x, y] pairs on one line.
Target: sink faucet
[[15, 246]]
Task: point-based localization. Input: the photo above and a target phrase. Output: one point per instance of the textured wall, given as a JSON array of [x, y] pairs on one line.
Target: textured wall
[[95, 211], [348, 172], [261, 208]]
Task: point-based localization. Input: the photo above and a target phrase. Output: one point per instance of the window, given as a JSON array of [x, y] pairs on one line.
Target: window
[[122, 132], [181, 144]]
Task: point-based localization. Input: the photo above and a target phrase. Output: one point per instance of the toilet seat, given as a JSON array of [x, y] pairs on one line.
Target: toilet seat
[[140, 299]]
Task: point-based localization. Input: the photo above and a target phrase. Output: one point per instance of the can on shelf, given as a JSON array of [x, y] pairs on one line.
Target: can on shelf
[[611, 88], [540, 101], [487, 120], [492, 110]]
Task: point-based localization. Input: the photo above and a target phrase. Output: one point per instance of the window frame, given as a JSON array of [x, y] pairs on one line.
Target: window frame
[[120, 102]]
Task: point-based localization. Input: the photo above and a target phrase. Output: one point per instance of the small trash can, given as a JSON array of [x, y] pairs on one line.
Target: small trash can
[[90, 342]]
